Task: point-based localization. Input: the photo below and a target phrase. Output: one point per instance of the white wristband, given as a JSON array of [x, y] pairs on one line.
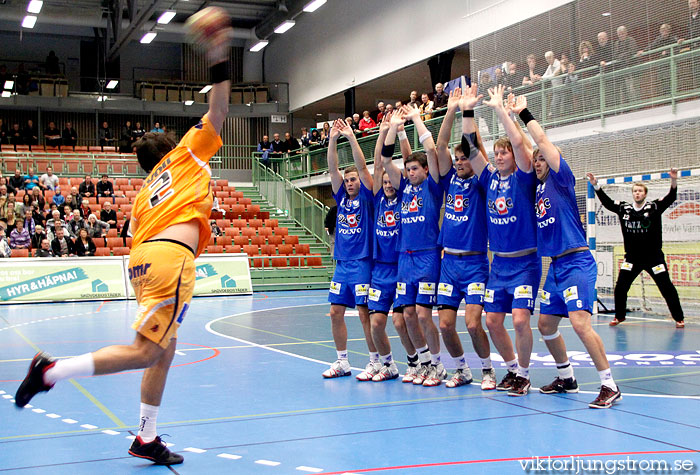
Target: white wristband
[[596, 186], [425, 137], [402, 135]]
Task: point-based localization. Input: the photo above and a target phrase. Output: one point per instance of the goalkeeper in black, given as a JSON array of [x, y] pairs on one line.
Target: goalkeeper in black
[[641, 233]]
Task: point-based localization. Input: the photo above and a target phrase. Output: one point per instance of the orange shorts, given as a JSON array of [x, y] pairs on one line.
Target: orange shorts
[[162, 274]]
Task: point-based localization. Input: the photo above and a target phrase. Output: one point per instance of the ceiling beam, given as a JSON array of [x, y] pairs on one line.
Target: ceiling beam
[[138, 17]]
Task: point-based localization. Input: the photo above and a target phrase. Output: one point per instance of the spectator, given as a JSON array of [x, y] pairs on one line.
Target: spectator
[[52, 135], [387, 110], [25, 204], [329, 223], [324, 139], [44, 250], [125, 232], [104, 135], [96, 228], [125, 139], [264, 147], [440, 98], [69, 135], [571, 89], [305, 138], [663, 72], [426, 107], [215, 206], [29, 223], [37, 236], [586, 54], [39, 215], [278, 147], [9, 217], [137, 132], [38, 198], [87, 187], [216, 230], [624, 52], [4, 138], [19, 237], [3, 187], [532, 77], [694, 32], [5, 249], [16, 136], [498, 77], [327, 128], [380, 114], [17, 181], [56, 222], [105, 188], [157, 128], [108, 215], [292, 143], [554, 70], [485, 113], [30, 179], [73, 200], [67, 214], [48, 180], [62, 246], [58, 199], [355, 124], [366, 123], [84, 208], [51, 64], [315, 140], [413, 100], [30, 133], [512, 79], [604, 53]]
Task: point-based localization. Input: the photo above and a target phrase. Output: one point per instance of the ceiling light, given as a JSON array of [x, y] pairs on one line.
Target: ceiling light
[[9, 84], [606, 14], [165, 17], [112, 84], [259, 45], [285, 26], [205, 89], [6, 94], [29, 21], [35, 6], [189, 103], [314, 5], [148, 37]]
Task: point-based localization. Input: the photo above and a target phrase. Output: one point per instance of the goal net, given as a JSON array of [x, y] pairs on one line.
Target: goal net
[[681, 241]]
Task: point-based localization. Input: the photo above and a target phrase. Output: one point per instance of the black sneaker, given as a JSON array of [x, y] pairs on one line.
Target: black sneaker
[[156, 451], [520, 386], [568, 385], [507, 381], [606, 398], [34, 381]]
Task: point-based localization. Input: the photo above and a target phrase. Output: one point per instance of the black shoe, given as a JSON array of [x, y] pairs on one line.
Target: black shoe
[[606, 398], [520, 386], [507, 381], [156, 451], [568, 385], [34, 381]]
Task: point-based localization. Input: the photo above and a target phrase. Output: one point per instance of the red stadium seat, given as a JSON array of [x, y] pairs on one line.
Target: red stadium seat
[[276, 240], [301, 249], [102, 251], [241, 240], [215, 249], [291, 240], [20, 253], [251, 250], [121, 251]]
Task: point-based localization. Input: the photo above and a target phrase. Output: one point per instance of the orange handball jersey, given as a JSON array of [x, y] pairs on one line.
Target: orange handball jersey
[[177, 189]]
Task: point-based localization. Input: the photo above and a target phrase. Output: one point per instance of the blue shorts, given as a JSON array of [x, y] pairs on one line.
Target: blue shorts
[[350, 284], [463, 277], [513, 283], [382, 290], [570, 285], [419, 272]]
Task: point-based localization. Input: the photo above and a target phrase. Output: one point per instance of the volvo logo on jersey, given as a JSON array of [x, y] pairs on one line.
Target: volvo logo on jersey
[[501, 205]]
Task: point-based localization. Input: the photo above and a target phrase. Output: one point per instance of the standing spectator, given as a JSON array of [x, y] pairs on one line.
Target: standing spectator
[[69, 135], [30, 133], [51, 64], [278, 147], [292, 143], [30, 179], [694, 33], [413, 100], [380, 114], [125, 139], [498, 77], [87, 187], [52, 135], [624, 52], [571, 98], [663, 71], [604, 54], [366, 123], [5, 249], [17, 181], [315, 140], [157, 128], [104, 135], [61, 245], [44, 250], [137, 132], [108, 215], [16, 136], [512, 79], [329, 223], [355, 124], [440, 99], [48, 180], [588, 98], [19, 237], [531, 79], [387, 110], [305, 138], [105, 188], [37, 236], [426, 107], [586, 54], [553, 70], [265, 147], [96, 228]]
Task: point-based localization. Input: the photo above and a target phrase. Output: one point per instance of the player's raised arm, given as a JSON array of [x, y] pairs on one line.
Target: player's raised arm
[[523, 158], [404, 143], [443, 141], [668, 200], [472, 145], [357, 155], [426, 139], [332, 157], [217, 54], [397, 119], [378, 164], [605, 200], [549, 151]]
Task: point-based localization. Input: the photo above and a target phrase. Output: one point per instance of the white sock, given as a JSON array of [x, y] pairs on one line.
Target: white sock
[[486, 363], [82, 365], [512, 366], [342, 355], [373, 357], [423, 354], [460, 362], [524, 372], [606, 379], [147, 424], [565, 370], [386, 359], [434, 359]]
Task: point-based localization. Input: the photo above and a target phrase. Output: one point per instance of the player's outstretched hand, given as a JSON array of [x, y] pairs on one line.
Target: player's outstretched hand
[[496, 97], [410, 113], [520, 104], [453, 100], [469, 98], [385, 123], [335, 131], [345, 129], [592, 179], [674, 173], [397, 118]]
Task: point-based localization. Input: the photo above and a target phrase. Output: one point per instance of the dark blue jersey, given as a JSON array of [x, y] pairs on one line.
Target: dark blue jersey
[[464, 222], [353, 230]]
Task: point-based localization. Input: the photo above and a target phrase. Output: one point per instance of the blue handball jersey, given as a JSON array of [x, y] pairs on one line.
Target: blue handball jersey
[[353, 229], [559, 226], [420, 216], [387, 226], [511, 220], [464, 222]]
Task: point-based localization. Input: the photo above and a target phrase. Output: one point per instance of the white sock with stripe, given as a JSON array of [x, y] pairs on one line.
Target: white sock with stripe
[[82, 365]]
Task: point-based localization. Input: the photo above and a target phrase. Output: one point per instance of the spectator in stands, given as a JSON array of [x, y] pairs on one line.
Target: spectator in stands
[[40, 215], [56, 222], [61, 245], [3, 128], [278, 147], [355, 125], [265, 147], [108, 215], [30, 133], [44, 249], [16, 136], [9, 217], [125, 232], [553, 70], [625, 50], [84, 209], [324, 139], [604, 53], [19, 237], [137, 132], [87, 187], [586, 60], [67, 213], [315, 140], [512, 79], [663, 72], [327, 128], [126, 139], [380, 114], [3, 187], [51, 63], [366, 123], [28, 221], [498, 77], [305, 138], [69, 135], [37, 236], [329, 223], [73, 200], [413, 100], [387, 110], [440, 98], [76, 223], [157, 128], [52, 135], [48, 180], [96, 227], [426, 107], [38, 198], [105, 188], [26, 203], [216, 230], [104, 135], [5, 249], [532, 77], [30, 179], [17, 181], [292, 143]]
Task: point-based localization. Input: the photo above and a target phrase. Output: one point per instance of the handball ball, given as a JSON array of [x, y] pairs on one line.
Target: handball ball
[[203, 26]]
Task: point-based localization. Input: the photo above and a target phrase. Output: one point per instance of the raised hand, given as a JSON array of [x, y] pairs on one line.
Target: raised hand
[[496, 97], [454, 99], [469, 98], [335, 130], [397, 118], [410, 113], [386, 122], [592, 179], [673, 173], [520, 104], [345, 129], [510, 102]]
